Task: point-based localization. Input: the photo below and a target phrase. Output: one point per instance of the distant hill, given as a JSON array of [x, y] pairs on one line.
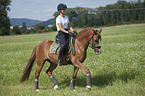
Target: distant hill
[[46, 23], [19, 21], [30, 22]]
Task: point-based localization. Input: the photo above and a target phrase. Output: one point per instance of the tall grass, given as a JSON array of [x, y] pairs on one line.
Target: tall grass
[[118, 70]]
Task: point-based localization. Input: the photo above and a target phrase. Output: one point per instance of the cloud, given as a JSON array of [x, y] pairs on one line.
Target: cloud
[[80, 3], [48, 10], [44, 11], [25, 10]]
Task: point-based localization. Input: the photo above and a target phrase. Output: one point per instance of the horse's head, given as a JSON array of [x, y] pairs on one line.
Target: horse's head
[[95, 41]]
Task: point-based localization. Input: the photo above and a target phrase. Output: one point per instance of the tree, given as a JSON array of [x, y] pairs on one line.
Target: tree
[[4, 20], [38, 28], [23, 28], [16, 30]]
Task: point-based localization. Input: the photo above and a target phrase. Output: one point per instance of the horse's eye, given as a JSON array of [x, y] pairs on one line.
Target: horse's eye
[[96, 40], [100, 38]]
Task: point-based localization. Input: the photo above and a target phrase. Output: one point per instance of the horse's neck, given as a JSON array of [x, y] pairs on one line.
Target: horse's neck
[[83, 41], [83, 35]]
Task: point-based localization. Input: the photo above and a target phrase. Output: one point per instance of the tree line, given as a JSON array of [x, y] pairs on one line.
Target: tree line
[[121, 12], [38, 28]]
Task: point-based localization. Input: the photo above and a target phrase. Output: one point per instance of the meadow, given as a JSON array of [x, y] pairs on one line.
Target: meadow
[[118, 71]]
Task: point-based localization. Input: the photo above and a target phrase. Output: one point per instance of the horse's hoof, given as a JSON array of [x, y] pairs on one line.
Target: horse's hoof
[[88, 87], [55, 87], [37, 90], [72, 88]]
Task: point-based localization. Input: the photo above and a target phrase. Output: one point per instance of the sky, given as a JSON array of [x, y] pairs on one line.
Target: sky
[[44, 9]]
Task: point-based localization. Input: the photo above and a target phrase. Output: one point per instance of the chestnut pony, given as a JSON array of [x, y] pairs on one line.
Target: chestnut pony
[[87, 37]]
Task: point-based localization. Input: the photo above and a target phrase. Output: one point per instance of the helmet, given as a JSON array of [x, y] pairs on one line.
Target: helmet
[[61, 6]]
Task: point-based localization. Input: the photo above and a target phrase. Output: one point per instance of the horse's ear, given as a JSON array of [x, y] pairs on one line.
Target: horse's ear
[[98, 31]]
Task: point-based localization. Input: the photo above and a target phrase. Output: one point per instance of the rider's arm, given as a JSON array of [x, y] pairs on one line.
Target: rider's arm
[[69, 27], [63, 30]]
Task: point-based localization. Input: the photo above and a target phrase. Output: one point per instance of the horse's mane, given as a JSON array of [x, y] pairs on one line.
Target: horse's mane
[[88, 31], [84, 30]]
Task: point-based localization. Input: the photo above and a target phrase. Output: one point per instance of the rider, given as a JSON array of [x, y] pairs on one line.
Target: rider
[[63, 25]]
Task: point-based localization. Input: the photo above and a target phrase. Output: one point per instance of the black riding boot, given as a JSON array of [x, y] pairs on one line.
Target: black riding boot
[[61, 52]]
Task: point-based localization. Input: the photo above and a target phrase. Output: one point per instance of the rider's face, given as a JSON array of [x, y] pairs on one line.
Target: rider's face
[[63, 11]]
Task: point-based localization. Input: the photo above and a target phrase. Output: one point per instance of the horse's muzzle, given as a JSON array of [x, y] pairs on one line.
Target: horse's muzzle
[[97, 51]]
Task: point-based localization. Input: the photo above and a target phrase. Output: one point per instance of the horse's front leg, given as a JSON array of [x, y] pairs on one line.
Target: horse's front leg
[[52, 78], [88, 74], [88, 80], [72, 83]]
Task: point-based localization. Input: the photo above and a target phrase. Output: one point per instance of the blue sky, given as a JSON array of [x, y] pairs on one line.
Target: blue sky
[[44, 9]]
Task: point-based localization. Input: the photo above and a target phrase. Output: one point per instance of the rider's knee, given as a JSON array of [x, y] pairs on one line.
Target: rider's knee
[[63, 45]]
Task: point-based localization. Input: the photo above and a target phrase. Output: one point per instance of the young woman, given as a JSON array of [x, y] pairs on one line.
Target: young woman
[[63, 25]]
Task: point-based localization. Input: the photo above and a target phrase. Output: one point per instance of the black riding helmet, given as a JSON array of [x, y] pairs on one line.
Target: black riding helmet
[[61, 6]]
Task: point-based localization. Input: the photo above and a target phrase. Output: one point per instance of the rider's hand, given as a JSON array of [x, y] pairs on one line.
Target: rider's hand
[[71, 34], [71, 29], [75, 32]]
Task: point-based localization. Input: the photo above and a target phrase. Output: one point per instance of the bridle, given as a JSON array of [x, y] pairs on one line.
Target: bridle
[[92, 45]]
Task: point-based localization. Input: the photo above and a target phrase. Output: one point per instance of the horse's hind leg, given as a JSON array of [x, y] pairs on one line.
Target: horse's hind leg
[[52, 78], [37, 73], [72, 83]]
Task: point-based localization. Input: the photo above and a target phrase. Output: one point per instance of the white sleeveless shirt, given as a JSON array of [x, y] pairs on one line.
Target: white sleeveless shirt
[[63, 21]]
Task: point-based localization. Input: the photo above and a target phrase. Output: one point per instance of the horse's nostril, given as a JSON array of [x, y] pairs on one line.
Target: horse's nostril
[[97, 51]]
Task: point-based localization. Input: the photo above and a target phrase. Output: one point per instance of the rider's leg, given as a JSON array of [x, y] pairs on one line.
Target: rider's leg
[[61, 51], [63, 42]]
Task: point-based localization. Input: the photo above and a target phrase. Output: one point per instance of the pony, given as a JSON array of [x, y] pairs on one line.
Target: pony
[[41, 54]]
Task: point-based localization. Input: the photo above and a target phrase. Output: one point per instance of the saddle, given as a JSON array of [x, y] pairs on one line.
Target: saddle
[[55, 47]]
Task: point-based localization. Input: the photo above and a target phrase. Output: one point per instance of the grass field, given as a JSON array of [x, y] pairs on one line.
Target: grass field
[[118, 71]]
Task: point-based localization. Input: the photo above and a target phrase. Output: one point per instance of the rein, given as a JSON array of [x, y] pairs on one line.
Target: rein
[[73, 45]]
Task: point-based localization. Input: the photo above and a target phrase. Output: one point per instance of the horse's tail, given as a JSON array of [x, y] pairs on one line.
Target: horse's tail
[[29, 66]]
